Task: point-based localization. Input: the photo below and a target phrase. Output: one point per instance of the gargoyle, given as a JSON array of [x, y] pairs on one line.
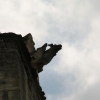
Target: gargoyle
[[45, 56], [41, 56]]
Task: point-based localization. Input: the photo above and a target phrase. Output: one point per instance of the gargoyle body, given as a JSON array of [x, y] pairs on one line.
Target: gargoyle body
[[41, 56]]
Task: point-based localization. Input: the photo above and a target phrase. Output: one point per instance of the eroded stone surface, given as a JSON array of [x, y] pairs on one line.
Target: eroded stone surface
[[40, 56], [17, 77]]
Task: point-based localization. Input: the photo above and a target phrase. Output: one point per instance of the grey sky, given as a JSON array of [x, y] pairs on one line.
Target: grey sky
[[74, 73]]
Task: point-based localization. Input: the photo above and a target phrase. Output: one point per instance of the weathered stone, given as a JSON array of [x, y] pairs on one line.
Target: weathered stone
[[41, 56], [18, 80]]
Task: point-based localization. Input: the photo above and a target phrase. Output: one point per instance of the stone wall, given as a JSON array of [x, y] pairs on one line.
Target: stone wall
[[17, 77]]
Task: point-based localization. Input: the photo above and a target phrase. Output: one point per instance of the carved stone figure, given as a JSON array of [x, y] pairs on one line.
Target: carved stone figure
[[41, 56], [45, 56]]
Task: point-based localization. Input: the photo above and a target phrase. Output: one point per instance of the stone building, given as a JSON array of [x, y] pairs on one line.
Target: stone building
[[18, 79]]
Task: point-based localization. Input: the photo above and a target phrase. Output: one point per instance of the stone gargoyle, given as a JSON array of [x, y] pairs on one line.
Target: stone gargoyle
[[41, 56]]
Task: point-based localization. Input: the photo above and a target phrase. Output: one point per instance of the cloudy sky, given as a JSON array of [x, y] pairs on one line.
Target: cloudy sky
[[74, 73]]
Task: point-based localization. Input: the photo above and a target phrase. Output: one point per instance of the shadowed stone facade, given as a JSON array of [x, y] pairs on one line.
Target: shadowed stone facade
[[20, 64], [18, 80]]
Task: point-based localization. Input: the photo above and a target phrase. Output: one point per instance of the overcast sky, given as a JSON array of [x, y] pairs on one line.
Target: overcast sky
[[74, 73]]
